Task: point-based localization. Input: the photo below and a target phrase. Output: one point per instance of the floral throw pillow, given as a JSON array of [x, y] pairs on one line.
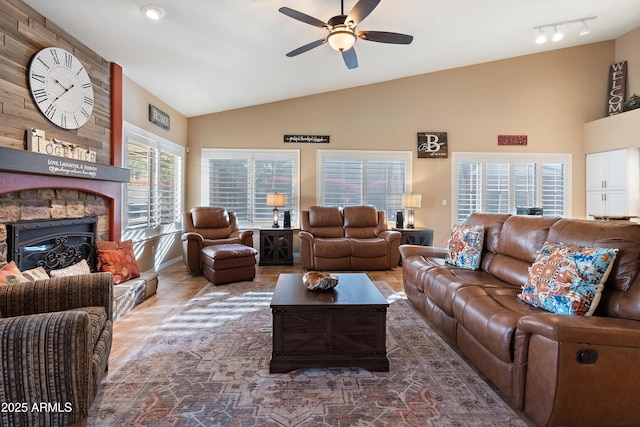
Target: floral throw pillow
[[118, 259], [568, 279], [465, 246]]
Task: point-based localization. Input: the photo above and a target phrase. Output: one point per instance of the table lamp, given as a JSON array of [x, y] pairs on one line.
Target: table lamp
[[275, 200], [411, 201]]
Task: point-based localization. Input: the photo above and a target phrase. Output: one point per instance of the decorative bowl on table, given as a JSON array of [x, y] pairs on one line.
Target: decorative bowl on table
[[316, 281]]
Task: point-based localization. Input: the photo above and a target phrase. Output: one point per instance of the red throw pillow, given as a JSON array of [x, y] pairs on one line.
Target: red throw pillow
[[119, 260], [10, 269]]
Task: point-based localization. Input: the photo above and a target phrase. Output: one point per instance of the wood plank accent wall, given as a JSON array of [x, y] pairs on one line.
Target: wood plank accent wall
[[23, 32]]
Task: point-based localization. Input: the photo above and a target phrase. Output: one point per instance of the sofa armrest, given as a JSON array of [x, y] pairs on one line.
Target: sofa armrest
[[46, 359], [192, 244], [407, 251], [245, 237], [390, 235], [58, 294], [306, 249], [582, 329]]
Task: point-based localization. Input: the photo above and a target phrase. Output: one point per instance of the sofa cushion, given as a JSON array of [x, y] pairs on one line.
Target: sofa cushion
[[369, 248], [568, 279], [520, 240], [605, 234], [360, 222], [332, 248], [210, 217], [465, 246], [325, 222]]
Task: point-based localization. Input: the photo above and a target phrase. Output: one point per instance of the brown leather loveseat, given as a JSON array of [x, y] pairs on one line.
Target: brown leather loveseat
[[355, 238], [561, 370]]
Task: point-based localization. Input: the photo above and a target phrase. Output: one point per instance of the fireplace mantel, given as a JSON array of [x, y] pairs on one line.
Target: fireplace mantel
[[27, 162], [22, 170]]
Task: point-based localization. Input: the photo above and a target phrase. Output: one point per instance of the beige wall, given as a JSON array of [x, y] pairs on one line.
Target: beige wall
[[620, 130], [547, 96], [627, 49], [154, 252]]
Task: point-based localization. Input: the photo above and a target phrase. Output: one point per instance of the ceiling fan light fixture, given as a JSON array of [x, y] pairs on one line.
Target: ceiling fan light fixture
[[153, 12], [341, 39]]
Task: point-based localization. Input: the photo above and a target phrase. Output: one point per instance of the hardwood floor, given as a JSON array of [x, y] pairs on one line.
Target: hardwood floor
[[175, 287]]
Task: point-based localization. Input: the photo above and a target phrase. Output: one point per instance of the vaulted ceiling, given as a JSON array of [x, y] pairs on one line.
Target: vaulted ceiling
[[208, 56]]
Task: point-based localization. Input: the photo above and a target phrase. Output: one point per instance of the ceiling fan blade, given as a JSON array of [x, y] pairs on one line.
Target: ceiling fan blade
[[385, 37], [302, 17], [361, 10], [350, 58], [306, 47]]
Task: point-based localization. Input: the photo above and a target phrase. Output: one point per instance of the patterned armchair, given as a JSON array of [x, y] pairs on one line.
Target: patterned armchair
[[205, 226], [55, 339]]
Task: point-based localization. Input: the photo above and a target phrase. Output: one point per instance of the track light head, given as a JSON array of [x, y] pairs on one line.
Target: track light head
[[542, 38], [557, 35], [584, 29]]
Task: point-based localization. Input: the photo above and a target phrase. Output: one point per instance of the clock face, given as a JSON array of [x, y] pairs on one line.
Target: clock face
[[61, 87]]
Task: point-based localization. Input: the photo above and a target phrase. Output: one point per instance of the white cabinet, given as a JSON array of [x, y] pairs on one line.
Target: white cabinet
[[613, 182]]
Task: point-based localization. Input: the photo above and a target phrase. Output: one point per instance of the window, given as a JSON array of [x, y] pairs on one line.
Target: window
[[501, 183], [376, 178], [239, 180], [154, 193]]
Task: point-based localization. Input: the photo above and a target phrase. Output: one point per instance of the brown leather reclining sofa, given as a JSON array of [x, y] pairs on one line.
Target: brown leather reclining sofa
[[355, 238], [561, 370]]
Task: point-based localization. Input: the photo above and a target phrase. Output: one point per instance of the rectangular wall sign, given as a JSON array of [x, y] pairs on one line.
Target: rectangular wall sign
[[159, 117], [312, 139], [512, 139], [617, 88], [432, 145]]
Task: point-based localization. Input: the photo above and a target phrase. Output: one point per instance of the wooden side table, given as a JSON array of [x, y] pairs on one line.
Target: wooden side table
[[415, 236], [276, 246]]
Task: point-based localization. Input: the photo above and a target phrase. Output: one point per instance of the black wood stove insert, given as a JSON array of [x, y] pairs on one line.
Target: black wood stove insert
[[52, 244]]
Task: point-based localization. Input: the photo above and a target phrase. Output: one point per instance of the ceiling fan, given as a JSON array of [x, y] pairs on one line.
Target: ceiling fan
[[342, 31]]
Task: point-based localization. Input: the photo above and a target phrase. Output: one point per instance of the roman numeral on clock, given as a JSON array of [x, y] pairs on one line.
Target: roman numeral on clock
[[40, 95], [38, 78], [68, 60], [50, 112]]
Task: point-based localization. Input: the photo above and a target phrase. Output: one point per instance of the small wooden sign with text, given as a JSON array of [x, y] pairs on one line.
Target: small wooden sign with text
[[512, 139], [311, 139]]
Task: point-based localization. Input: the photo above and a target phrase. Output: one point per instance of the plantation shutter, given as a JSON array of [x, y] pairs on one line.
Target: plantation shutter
[[469, 190], [553, 189], [496, 187], [142, 197]]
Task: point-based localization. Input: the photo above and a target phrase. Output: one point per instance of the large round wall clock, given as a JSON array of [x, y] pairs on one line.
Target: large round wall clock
[[61, 87]]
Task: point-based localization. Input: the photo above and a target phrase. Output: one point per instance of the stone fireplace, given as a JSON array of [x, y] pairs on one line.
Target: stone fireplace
[[36, 195]]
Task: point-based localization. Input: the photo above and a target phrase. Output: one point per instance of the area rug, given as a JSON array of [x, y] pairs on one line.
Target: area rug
[[209, 366]]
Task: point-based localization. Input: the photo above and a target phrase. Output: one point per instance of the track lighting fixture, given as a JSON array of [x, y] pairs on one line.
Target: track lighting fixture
[[558, 34]]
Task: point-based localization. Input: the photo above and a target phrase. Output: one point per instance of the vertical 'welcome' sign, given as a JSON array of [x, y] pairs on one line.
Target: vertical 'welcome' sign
[[617, 88]]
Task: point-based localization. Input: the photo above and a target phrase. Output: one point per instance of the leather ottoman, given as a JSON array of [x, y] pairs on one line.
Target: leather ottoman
[[228, 263]]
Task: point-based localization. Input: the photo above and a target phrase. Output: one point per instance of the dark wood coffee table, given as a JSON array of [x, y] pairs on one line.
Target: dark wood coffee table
[[342, 327]]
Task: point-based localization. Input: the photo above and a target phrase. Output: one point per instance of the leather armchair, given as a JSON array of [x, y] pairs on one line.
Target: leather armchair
[[204, 226], [55, 340]]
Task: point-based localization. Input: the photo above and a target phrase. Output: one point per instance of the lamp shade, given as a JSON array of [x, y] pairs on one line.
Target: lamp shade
[[275, 199], [412, 200]]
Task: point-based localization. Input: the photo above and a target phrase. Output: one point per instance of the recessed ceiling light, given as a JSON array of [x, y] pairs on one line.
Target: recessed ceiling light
[[153, 11]]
